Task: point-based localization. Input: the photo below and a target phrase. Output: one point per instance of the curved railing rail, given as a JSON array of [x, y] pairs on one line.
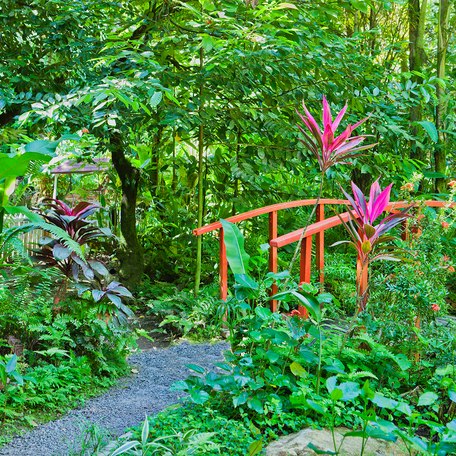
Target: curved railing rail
[[316, 229]]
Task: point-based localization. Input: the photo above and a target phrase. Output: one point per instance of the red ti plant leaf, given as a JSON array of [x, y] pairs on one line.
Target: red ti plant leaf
[[327, 148], [367, 237]]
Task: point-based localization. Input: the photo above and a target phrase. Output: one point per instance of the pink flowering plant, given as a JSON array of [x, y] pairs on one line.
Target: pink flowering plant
[[325, 146], [368, 237]]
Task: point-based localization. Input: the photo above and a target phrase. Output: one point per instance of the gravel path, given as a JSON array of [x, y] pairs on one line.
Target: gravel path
[[123, 406]]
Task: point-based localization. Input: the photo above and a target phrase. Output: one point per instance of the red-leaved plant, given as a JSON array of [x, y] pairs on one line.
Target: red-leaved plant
[[73, 264], [327, 148], [369, 240]]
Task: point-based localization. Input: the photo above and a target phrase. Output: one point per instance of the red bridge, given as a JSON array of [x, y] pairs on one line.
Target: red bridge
[[316, 229]]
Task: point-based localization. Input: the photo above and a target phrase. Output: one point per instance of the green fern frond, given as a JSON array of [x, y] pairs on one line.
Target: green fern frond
[[60, 234], [381, 350], [360, 374]]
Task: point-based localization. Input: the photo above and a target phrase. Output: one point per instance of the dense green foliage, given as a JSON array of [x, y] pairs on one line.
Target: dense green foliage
[[195, 105], [205, 93]]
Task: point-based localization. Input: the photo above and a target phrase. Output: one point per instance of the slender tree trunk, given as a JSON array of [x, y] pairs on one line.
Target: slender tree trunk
[[155, 158], [199, 245], [173, 176], [417, 57], [372, 26], [442, 45], [236, 180], [131, 255]]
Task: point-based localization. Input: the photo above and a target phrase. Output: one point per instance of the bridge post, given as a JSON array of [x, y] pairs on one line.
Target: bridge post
[[273, 256], [320, 245], [223, 267], [305, 268]]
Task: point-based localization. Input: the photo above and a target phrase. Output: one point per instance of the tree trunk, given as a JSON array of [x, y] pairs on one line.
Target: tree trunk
[[417, 57], [131, 254], [442, 45], [199, 245]]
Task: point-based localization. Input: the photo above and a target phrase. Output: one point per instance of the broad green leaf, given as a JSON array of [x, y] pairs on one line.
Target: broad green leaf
[[245, 281], [430, 129], [404, 408], [263, 312], [317, 450], [297, 370], [286, 6], [238, 258], [272, 356], [378, 433], [452, 394], [402, 361], [427, 398], [127, 446], [255, 404], [434, 175], [207, 42], [331, 383], [308, 355], [443, 371], [307, 300], [316, 406], [414, 441], [241, 399], [384, 402], [11, 364], [196, 368], [199, 396], [255, 448], [361, 5], [350, 390], [180, 385], [155, 99], [336, 394]]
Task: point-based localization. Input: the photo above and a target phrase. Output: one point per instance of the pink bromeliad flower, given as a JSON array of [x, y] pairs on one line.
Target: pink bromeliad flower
[[328, 149]]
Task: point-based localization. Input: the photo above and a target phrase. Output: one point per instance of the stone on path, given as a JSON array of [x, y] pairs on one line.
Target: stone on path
[[296, 444]]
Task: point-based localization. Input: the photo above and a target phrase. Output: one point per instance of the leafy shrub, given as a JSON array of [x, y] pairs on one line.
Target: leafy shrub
[[228, 436], [415, 288], [340, 281], [182, 314]]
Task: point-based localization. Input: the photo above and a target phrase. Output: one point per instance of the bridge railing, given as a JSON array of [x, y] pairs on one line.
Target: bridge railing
[[316, 230]]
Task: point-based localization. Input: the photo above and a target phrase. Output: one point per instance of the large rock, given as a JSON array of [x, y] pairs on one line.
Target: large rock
[[297, 444]]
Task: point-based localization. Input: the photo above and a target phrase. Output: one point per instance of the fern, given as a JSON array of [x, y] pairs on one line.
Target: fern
[[60, 234], [359, 374], [382, 350]]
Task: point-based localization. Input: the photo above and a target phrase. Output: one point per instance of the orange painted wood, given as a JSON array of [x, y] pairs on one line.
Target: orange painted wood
[[273, 256], [223, 265], [315, 228], [305, 269], [265, 210], [305, 263], [320, 245], [300, 203]]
